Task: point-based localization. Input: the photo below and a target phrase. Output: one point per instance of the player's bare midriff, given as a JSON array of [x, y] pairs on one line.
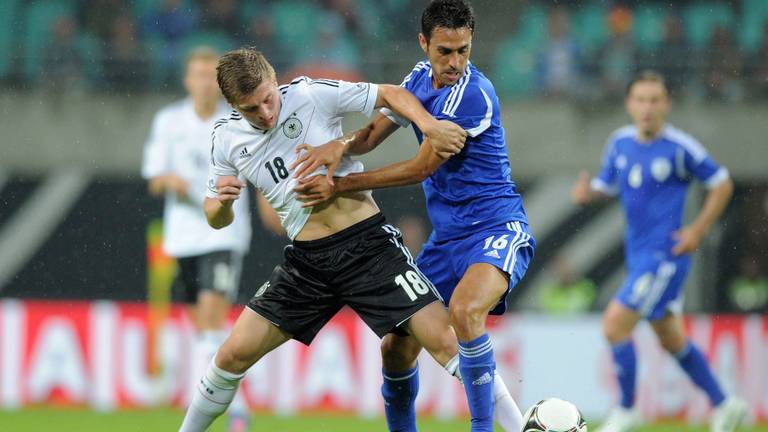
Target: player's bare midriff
[[342, 212]]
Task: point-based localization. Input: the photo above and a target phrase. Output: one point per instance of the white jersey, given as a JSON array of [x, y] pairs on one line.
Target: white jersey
[[180, 143], [310, 112]]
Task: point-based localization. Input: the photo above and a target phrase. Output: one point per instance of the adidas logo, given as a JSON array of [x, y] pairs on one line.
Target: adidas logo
[[493, 253], [484, 379], [244, 153]]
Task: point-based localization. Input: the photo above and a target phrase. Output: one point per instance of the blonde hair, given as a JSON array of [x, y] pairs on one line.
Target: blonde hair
[[203, 52], [240, 71]]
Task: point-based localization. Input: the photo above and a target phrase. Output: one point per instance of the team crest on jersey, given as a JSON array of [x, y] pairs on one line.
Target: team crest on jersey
[[292, 127], [660, 169]]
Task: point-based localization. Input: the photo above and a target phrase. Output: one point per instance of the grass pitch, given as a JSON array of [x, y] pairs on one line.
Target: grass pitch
[[74, 420]]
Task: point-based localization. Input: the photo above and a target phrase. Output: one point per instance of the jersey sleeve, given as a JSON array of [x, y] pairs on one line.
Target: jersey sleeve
[[156, 160], [220, 166], [469, 106], [337, 97], [606, 180], [697, 161], [407, 84]]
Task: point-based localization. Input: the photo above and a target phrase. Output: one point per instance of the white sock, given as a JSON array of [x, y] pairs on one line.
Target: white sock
[[453, 367], [208, 344], [213, 394], [506, 412]]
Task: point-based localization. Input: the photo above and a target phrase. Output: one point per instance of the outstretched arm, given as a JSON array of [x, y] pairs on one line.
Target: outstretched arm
[[318, 189], [583, 193]]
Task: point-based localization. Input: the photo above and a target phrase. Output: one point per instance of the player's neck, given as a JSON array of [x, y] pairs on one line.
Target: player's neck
[[205, 109], [648, 135]]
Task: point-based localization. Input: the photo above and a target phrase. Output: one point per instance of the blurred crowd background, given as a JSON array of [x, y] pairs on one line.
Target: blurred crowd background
[[560, 69], [585, 50]]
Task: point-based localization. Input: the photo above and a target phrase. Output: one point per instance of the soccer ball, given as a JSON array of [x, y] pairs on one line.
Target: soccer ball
[[554, 415]]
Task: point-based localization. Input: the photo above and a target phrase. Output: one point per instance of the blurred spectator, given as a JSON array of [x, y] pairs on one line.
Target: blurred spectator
[[414, 232], [261, 34], [724, 66], [98, 16], [347, 11], [559, 62], [617, 58], [567, 294], [332, 45], [748, 292], [62, 62], [758, 67], [221, 15], [125, 64], [673, 56], [171, 23]]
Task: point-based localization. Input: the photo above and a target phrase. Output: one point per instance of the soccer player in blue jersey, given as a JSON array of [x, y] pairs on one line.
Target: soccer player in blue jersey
[[480, 246], [649, 166]]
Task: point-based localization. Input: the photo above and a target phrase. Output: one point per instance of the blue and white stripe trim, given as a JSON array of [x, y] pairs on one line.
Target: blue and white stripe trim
[[477, 351], [457, 92], [521, 239]]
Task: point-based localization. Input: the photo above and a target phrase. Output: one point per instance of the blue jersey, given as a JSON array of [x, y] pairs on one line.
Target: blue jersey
[[474, 189], [652, 180]]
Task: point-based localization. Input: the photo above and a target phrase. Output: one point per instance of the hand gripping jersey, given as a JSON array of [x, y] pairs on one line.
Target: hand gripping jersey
[[652, 180], [474, 189], [310, 112]]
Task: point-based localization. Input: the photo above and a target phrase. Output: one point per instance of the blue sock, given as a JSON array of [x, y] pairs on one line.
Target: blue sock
[[625, 360], [477, 369], [399, 391], [692, 361]]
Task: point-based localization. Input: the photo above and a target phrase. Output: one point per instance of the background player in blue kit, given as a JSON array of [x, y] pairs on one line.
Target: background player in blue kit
[[480, 246], [649, 165]]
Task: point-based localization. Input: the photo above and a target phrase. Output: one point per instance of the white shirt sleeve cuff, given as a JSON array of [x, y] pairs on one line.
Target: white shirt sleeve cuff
[[601, 186], [717, 178], [388, 113]]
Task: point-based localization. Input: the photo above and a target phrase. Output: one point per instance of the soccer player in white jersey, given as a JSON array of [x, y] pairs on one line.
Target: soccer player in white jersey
[[176, 159], [649, 166], [342, 253]]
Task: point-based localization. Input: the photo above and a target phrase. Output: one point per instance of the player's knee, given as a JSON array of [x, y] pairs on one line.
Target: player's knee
[[229, 358], [673, 342], [468, 319], [614, 333], [397, 355]]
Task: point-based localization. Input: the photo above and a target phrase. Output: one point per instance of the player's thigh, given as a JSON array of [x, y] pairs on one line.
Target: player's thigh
[[671, 332], [252, 337], [295, 302], [480, 289], [385, 287], [431, 328], [492, 262], [619, 321], [212, 309], [399, 352], [654, 286]]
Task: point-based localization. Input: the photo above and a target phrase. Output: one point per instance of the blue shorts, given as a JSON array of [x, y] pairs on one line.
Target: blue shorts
[[508, 246], [654, 286]]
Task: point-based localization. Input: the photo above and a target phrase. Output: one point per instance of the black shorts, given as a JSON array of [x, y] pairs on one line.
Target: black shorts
[[215, 271], [365, 267]]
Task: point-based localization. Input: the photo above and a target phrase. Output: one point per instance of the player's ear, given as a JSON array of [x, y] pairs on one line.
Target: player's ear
[[423, 43]]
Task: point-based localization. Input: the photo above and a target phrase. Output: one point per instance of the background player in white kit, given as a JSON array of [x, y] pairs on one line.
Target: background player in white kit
[[343, 253], [176, 159]]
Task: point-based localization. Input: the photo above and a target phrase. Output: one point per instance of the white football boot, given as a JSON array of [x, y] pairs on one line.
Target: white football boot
[[728, 415], [621, 420]]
